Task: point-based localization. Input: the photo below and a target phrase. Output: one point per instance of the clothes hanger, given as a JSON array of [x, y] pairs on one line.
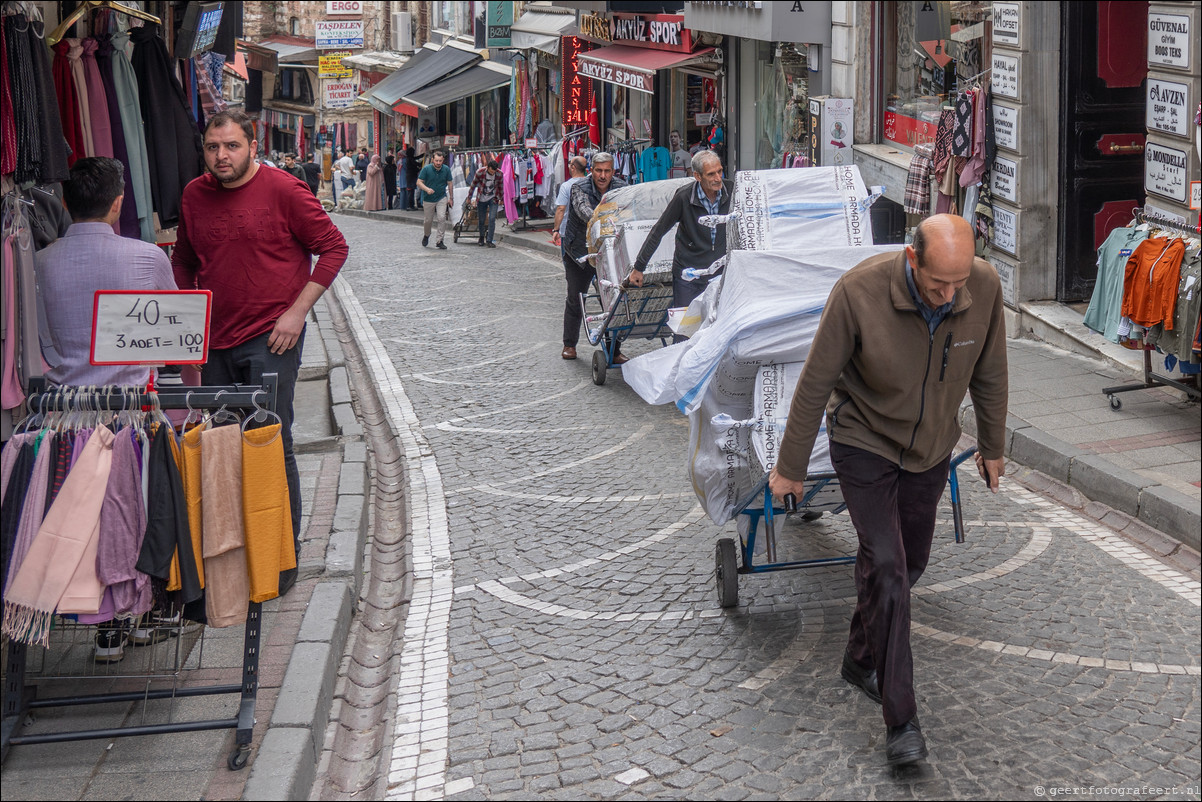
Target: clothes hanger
[[266, 414], [59, 32]]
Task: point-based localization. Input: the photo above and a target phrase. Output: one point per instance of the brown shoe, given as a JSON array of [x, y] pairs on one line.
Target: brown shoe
[[621, 359], [568, 352]]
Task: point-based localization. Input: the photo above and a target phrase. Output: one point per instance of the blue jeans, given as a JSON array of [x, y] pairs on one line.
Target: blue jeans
[[486, 213]]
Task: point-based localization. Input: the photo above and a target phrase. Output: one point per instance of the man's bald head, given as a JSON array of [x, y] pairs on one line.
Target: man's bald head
[[942, 257]]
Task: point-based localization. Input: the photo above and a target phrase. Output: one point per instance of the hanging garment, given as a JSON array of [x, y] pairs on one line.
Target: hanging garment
[[54, 574], [98, 105], [942, 156], [266, 511], [917, 198], [1150, 283], [8, 125], [655, 163], [1106, 304], [63, 451], [227, 595], [509, 189], [19, 458], [33, 510], [68, 102], [167, 535], [127, 225], [42, 150], [75, 59], [190, 449], [173, 142], [122, 527], [12, 394], [976, 167], [130, 105], [962, 129]]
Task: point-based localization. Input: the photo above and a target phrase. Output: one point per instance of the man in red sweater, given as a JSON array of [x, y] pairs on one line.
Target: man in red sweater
[[247, 232]]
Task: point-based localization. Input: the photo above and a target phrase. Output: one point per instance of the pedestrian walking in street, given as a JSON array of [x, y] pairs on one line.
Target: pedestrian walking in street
[[584, 197], [290, 166], [344, 175], [312, 173], [901, 340], [488, 197], [361, 163], [697, 246], [434, 181], [247, 234], [389, 181], [577, 167], [373, 188], [411, 170]]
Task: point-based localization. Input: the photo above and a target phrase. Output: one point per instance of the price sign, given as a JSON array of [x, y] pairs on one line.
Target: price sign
[[530, 142], [167, 327]]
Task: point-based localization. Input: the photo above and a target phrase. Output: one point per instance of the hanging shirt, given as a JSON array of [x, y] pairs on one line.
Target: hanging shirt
[[1150, 286], [654, 164]]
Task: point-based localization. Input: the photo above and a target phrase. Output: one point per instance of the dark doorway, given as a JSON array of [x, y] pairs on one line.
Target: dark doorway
[[1103, 54]]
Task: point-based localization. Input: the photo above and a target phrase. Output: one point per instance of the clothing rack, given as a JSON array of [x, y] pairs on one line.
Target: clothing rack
[[19, 699], [1192, 391], [972, 78]]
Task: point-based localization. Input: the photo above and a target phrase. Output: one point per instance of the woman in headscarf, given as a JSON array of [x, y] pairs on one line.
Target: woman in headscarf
[[373, 192]]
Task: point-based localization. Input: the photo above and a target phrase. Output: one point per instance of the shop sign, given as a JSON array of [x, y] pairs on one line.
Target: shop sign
[[1005, 229], [167, 327], [1006, 21], [344, 8], [658, 31], [1168, 107], [530, 142], [338, 34], [595, 26], [1005, 179], [908, 131], [789, 21], [577, 88], [499, 21], [1195, 194], [1165, 171], [340, 95], [1168, 40], [621, 76], [1152, 210], [1005, 126], [329, 64], [450, 139], [1006, 271], [1005, 76]]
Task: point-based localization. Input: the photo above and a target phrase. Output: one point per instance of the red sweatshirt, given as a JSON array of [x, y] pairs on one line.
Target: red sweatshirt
[[252, 247]]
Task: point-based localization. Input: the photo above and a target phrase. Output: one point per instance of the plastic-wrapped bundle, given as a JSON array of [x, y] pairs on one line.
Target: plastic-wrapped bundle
[[768, 313], [779, 209], [619, 227]]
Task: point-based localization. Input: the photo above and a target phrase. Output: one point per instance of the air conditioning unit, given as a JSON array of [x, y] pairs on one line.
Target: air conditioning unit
[[402, 31]]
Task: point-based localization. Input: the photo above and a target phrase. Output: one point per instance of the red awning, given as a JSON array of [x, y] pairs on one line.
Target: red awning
[[634, 67]]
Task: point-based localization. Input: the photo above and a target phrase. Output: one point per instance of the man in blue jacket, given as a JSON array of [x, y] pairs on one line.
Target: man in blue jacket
[[697, 246]]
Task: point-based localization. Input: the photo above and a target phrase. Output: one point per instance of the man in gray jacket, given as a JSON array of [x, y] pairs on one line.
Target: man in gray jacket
[[902, 338]]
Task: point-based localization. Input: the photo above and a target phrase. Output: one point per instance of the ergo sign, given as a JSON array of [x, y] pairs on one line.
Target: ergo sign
[[344, 8]]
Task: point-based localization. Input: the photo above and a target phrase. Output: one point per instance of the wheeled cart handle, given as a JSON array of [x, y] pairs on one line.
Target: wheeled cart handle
[[790, 503]]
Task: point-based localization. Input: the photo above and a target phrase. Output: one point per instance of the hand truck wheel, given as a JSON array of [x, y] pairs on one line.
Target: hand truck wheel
[[1115, 402], [458, 229], [239, 757], [599, 367], [726, 571]]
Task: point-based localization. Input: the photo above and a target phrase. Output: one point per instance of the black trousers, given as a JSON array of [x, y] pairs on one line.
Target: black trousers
[[579, 278], [245, 364], [893, 511]]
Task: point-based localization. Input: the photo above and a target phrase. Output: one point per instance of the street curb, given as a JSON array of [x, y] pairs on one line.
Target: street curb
[[1098, 479], [285, 766]]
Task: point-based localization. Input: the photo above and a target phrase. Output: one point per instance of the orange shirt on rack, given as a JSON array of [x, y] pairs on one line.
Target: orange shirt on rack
[[1150, 285]]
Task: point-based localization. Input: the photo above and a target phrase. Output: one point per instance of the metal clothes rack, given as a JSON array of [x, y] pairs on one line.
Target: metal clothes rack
[[1192, 390], [20, 700]]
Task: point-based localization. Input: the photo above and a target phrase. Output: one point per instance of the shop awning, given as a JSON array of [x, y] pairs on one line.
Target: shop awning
[[540, 30], [376, 61], [292, 51], [478, 78], [635, 67], [258, 57], [426, 66]]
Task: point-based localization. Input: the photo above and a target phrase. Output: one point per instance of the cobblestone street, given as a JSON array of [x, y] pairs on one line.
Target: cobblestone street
[[565, 640]]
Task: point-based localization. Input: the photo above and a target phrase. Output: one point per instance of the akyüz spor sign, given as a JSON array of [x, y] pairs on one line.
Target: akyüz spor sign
[[617, 75], [659, 31]]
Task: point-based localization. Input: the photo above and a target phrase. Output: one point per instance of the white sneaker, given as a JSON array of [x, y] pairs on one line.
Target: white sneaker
[[154, 628], [110, 646]]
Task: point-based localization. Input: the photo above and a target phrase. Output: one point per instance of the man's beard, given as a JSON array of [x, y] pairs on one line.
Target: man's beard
[[236, 175]]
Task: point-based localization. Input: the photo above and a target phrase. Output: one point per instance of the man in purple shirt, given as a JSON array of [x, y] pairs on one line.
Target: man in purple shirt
[[90, 257]]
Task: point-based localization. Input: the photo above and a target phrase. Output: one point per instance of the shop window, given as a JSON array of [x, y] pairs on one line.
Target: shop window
[[923, 74], [457, 17], [782, 110], [294, 85]]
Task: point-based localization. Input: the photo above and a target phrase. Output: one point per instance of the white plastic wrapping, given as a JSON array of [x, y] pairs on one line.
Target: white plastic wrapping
[[767, 313], [782, 209]]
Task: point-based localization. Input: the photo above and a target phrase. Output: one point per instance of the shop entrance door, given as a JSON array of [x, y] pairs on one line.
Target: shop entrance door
[[1103, 55]]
